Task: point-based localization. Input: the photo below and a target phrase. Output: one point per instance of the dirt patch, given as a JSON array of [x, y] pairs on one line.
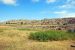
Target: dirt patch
[[4, 45]]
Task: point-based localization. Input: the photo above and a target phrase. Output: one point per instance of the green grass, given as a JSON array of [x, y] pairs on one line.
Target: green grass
[[30, 29], [52, 36], [23, 29]]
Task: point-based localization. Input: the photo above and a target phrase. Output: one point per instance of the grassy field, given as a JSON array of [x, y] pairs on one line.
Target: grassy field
[[12, 38]]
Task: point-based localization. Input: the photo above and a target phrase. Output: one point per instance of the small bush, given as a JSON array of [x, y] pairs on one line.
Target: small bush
[[71, 31], [49, 35], [40, 36]]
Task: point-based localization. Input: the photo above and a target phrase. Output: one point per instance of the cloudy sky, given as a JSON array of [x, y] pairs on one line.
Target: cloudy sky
[[36, 9]]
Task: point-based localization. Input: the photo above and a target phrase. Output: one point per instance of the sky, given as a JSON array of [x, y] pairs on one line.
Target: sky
[[36, 9]]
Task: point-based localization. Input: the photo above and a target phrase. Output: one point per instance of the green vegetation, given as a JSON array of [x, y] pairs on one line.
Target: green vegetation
[[23, 29], [30, 29], [71, 31], [52, 36]]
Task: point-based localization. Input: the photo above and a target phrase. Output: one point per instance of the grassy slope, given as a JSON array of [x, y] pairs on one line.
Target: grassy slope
[[13, 39]]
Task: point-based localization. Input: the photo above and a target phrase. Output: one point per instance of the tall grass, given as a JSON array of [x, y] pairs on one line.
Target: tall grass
[[51, 35]]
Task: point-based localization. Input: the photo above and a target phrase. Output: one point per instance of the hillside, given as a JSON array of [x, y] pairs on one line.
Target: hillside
[[54, 24], [57, 21], [14, 34]]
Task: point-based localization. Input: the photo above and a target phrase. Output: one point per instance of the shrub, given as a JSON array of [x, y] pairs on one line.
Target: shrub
[[40, 36], [71, 31], [49, 35]]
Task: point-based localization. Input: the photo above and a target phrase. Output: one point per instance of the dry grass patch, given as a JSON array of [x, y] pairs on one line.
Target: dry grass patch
[[13, 39]]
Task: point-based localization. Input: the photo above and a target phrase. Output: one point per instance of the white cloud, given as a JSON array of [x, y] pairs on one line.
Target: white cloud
[[61, 12], [50, 1], [69, 15], [65, 14], [9, 2], [35, 0], [47, 1], [68, 4]]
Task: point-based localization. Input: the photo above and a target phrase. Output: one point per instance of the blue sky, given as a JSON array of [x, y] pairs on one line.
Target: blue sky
[[36, 9]]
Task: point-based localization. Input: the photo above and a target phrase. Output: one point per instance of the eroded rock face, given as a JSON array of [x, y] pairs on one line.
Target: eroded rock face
[[62, 23], [59, 21], [72, 21]]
